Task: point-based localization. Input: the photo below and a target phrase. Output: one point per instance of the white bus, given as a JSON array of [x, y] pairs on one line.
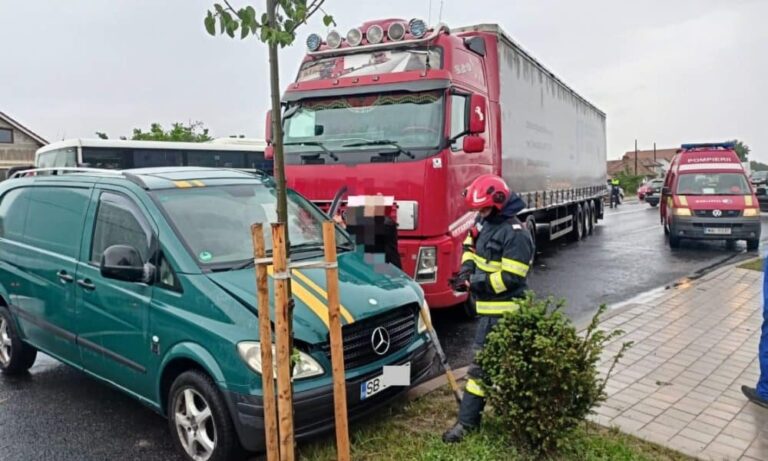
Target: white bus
[[122, 155]]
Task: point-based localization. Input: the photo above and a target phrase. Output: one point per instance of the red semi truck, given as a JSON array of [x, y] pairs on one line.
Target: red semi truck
[[402, 109]]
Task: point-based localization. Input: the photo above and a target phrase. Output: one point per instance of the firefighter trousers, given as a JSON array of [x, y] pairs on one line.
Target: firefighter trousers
[[473, 402]]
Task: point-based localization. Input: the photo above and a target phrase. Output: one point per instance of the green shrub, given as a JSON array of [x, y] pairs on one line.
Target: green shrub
[[542, 373], [629, 182]]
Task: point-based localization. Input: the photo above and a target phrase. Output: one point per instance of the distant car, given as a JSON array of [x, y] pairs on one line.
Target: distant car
[[759, 178], [642, 190], [653, 194], [762, 196]]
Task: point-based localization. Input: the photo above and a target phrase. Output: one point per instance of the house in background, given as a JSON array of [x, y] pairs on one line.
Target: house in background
[[18, 144], [648, 164]]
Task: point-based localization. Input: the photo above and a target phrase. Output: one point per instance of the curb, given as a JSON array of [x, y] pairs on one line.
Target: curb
[[433, 384]]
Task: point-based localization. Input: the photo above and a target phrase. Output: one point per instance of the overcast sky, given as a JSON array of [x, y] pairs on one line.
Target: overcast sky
[[665, 71]]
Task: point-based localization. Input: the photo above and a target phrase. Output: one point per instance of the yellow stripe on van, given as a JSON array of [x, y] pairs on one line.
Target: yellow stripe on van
[[307, 281], [683, 200], [198, 183], [182, 184], [747, 200], [311, 301]]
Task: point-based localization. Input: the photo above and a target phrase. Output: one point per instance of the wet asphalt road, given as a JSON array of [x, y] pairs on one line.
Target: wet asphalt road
[[57, 413], [627, 255]]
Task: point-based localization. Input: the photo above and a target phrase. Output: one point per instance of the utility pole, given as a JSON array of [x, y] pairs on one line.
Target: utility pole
[[635, 157]]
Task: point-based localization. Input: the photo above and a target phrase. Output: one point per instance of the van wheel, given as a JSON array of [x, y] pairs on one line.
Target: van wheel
[[753, 244], [674, 242], [16, 357], [200, 424]]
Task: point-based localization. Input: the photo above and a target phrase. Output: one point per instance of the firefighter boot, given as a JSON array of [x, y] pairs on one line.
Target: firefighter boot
[[455, 434]]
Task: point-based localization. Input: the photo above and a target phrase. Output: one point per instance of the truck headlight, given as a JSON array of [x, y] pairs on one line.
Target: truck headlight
[[422, 325], [682, 211], [426, 265], [250, 352]]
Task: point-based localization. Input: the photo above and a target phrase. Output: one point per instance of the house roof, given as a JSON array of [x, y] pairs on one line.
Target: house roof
[[7, 118], [665, 154]]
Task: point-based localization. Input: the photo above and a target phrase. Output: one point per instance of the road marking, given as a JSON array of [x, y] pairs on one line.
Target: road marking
[[641, 210]]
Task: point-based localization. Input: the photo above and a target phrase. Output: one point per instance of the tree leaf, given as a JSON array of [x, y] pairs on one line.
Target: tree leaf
[[251, 13], [244, 30], [327, 20], [210, 24]]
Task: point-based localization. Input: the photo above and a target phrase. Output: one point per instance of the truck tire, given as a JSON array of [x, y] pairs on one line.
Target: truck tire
[[578, 224], [753, 244], [16, 357], [530, 224], [589, 225], [594, 209]]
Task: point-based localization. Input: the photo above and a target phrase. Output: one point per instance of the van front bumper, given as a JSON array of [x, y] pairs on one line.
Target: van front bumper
[[313, 410], [696, 228]]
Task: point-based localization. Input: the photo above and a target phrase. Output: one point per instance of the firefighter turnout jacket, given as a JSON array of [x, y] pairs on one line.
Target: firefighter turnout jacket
[[498, 252]]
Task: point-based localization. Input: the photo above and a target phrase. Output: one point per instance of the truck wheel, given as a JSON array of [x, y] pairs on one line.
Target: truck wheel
[[589, 226], [578, 224], [530, 224], [200, 423], [16, 357], [753, 244], [595, 211]]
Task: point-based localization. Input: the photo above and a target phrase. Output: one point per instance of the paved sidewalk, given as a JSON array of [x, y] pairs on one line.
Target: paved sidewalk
[[680, 384]]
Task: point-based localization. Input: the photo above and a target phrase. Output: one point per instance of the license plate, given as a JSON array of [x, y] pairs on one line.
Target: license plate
[[373, 386], [717, 230]]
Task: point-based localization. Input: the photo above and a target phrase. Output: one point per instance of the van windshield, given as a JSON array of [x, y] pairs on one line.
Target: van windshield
[[215, 222], [713, 184]]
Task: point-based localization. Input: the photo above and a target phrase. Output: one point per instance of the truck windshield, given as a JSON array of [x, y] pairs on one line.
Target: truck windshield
[[214, 222], [713, 184], [355, 123]]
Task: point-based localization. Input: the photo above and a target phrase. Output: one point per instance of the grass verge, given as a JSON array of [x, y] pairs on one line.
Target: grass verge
[[412, 431], [755, 264]]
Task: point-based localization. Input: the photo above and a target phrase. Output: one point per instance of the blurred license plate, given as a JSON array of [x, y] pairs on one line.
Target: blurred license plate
[[373, 386], [717, 230]]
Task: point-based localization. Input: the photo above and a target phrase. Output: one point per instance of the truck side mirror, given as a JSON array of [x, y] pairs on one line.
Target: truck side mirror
[[269, 152], [476, 114], [473, 144], [268, 128]]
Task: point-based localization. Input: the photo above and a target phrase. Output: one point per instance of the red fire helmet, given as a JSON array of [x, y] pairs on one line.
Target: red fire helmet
[[487, 190]]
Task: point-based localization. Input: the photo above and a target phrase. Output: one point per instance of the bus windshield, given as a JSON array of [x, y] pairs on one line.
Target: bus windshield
[[713, 184], [354, 123]]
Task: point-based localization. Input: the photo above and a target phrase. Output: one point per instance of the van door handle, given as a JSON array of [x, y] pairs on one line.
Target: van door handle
[[86, 284], [64, 277]]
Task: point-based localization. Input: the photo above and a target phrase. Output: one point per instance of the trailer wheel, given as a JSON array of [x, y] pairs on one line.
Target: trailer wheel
[[530, 224], [593, 208], [578, 224], [589, 225]]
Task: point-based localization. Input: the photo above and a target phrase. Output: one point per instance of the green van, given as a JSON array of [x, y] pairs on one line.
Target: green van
[[144, 279]]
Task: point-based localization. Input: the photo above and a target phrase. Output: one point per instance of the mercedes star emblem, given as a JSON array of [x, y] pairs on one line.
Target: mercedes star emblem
[[380, 340], [717, 213]]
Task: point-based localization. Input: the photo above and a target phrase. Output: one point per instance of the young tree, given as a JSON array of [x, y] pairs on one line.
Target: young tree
[[742, 150], [275, 27]]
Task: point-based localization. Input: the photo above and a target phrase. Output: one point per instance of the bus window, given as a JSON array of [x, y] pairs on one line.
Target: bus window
[[216, 159], [149, 158], [111, 159], [58, 158]]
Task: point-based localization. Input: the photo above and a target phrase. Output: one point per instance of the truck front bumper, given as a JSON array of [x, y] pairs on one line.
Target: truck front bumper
[[313, 410], [702, 228]]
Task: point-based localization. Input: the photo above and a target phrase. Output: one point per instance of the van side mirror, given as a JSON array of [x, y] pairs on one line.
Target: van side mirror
[[473, 144], [476, 114], [665, 191], [123, 262]]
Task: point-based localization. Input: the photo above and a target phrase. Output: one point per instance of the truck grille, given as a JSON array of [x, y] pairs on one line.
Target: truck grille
[[725, 213], [358, 348]]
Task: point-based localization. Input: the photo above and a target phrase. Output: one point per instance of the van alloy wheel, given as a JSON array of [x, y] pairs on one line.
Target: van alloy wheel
[[5, 342], [195, 425]]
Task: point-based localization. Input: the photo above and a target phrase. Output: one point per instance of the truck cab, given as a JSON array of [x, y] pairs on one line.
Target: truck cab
[[707, 195], [399, 109]]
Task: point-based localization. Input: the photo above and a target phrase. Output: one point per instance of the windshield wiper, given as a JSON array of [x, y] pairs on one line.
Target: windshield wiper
[[383, 142], [315, 144]]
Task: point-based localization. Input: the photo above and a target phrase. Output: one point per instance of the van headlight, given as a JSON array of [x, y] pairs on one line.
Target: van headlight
[[250, 352], [421, 326], [426, 265]]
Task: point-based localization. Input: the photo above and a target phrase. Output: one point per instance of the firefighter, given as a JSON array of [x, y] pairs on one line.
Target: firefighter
[[497, 256]]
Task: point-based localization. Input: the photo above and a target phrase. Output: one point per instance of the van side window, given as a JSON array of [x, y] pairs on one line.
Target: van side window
[[13, 214], [55, 218], [458, 118], [166, 276], [119, 222]]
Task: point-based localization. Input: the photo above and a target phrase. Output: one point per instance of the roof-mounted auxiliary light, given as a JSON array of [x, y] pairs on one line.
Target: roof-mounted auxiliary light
[[313, 42], [396, 31], [374, 34], [417, 27], [354, 37], [333, 39]]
